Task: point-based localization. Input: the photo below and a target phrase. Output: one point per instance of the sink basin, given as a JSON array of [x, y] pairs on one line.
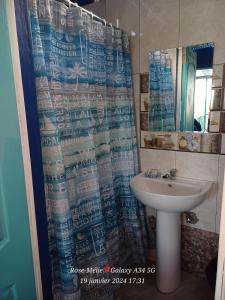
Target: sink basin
[[169, 198], [178, 195]]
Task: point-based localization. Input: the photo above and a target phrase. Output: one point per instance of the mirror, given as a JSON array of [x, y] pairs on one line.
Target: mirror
[[176, 93], [196, 83]]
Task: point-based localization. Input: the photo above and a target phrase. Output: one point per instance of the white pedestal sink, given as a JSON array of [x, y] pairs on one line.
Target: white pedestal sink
[[169, 198]]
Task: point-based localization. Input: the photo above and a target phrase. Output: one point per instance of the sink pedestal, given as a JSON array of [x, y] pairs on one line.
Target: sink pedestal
[[168, 244]]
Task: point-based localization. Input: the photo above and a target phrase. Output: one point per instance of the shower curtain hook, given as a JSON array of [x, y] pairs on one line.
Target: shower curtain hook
[[105, 22], [69, 2], [92, 16]]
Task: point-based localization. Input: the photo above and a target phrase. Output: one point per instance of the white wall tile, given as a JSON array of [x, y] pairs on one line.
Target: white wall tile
[[206, 212], [159, 27], [197, 165], [127, 13], [98, 8], [220, 191], [205, 167], [159, 159], [203, 21]]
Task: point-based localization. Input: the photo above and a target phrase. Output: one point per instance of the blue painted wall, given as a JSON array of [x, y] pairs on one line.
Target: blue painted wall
[[34, 142], [16, 263]]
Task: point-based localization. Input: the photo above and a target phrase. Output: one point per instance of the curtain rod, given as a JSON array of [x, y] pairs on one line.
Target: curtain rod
[[69, 2]]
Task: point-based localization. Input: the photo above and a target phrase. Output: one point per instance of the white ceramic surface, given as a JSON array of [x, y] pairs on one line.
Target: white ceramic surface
[[169, 198], [168, 240], [167, 195]]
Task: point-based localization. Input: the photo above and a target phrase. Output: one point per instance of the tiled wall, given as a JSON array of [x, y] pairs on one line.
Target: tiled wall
[[168, 24]]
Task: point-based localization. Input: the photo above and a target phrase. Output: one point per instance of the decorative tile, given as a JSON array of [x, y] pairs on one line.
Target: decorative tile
[[144, 80], [210, 143], [216, 121], [223, 143], [218, 76], [144, 121], [136, 90], [145, 135], [217, 96], [189, 141], [198, 248], [144, 101], [159, 140]]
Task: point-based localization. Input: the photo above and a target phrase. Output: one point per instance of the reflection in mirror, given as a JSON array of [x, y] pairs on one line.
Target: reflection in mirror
[[180, 82], [161, 113], [196, 84]]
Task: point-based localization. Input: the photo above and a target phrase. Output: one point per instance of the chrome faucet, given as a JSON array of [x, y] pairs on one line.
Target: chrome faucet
[[171, 175]]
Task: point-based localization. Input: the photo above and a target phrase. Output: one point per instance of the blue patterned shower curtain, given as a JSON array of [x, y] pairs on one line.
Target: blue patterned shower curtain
[[86, 113], [161, 115]]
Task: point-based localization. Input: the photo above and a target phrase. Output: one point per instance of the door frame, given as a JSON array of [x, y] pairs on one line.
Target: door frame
[[220, 276], [11, 19]]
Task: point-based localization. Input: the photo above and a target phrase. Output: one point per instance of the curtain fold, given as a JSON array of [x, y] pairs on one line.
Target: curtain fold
[[161, 115], [86, 115]]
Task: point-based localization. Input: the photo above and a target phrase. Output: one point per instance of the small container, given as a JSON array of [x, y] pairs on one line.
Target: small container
[[153, 173]]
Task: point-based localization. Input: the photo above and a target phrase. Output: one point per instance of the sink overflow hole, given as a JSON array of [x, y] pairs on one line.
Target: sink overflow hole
[[169, 185]]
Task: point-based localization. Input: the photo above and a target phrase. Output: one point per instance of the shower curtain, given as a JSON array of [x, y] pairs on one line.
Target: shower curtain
[[161, 115], [86, 115]]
